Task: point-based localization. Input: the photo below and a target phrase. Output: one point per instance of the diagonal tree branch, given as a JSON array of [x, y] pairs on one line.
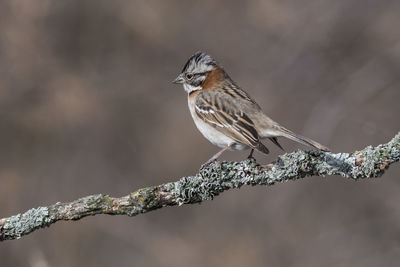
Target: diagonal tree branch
[[208, 183]]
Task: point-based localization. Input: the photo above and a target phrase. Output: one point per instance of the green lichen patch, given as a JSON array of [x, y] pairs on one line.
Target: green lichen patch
[[22, 224]]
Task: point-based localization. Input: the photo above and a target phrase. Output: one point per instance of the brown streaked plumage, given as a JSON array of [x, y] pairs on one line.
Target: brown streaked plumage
[[225, 114], [214, 107]]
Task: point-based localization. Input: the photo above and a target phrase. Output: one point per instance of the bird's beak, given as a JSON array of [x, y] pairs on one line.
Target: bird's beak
[[179, 79]]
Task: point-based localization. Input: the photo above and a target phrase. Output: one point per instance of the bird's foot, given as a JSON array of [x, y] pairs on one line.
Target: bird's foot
[[214, 158], [251, 158], [251, 155], [267, 167], [208, 163]]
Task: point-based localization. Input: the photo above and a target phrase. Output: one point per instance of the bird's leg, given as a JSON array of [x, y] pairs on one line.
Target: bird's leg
[[215, 157], [251, 154]]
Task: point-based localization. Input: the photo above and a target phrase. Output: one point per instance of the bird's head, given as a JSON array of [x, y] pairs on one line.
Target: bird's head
[[196, 71]]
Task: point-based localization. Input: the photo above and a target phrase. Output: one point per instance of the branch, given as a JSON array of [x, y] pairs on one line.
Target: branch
[[208, 183]]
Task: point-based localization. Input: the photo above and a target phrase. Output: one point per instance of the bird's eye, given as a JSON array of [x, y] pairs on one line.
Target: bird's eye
[[189, 76]]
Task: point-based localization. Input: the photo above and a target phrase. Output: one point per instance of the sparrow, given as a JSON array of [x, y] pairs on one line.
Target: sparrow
[[225, 114]]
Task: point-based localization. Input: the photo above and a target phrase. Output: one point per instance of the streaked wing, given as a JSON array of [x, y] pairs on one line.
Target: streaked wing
[[223, 113]]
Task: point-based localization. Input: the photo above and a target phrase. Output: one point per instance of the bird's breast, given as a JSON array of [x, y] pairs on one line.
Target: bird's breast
[[209, 132]]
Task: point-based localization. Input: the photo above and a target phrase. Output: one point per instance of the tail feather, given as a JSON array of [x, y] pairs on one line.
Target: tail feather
[[302, 139], [262, 148], [275, 141]]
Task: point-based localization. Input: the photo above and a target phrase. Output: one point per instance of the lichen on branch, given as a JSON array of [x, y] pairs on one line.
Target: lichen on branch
[[211, 180]]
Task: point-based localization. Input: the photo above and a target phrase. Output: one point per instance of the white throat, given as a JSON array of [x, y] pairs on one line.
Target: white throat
[[189, 88]]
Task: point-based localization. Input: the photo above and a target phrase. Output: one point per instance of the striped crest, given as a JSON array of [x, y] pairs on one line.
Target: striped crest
[[199, 62]]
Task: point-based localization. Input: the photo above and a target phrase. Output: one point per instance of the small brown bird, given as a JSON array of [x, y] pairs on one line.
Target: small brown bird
[[225, 114]]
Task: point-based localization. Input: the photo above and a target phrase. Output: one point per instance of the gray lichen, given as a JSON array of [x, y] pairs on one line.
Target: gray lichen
[[22, 224], [211, 180], [218, 177]]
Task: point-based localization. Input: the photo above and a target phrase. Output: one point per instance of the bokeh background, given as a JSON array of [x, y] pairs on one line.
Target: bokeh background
[[87, 106]]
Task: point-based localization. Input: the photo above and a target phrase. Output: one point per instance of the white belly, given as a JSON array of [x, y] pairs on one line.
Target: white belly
[[213, 135]]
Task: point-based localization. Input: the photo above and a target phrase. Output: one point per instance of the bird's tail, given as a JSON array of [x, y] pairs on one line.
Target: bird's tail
[[301, 139]]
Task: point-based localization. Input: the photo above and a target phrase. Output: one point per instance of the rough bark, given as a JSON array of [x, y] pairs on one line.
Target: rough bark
[[211, 180]]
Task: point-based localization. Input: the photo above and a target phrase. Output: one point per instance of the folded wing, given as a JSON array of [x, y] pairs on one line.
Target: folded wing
[[227, 116]]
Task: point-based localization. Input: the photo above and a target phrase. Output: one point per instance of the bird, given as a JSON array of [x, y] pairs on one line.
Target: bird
[[225, 114]]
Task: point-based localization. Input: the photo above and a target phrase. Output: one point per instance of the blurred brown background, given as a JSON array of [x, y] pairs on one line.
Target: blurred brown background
[[87, 106]]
